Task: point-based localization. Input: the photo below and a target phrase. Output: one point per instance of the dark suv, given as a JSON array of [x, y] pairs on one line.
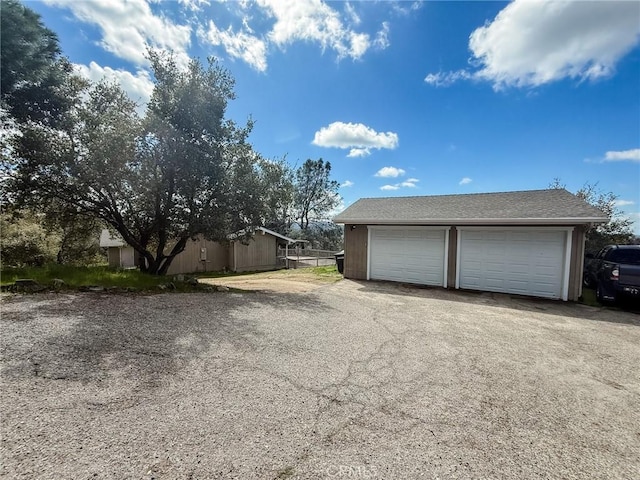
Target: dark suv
[[614, 272]]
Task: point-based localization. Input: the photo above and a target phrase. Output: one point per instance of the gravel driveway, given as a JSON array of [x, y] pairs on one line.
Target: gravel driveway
[[352, 380]]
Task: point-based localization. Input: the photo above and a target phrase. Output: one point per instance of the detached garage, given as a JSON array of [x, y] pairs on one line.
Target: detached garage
[[526, 243]]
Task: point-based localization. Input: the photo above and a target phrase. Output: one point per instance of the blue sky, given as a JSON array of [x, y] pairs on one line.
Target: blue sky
[[403, 98]]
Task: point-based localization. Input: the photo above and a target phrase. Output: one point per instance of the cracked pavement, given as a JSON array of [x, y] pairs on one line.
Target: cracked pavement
[[351, 380]]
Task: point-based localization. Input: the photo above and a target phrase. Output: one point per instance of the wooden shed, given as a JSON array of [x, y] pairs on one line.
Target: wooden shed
[[201, 255], [119, 254]]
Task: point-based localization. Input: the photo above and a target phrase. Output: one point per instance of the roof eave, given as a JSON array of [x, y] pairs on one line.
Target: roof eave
[[475, 221], [108, 241], [276, 234]]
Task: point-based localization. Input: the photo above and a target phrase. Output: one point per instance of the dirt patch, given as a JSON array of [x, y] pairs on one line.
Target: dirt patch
[[281, 281]]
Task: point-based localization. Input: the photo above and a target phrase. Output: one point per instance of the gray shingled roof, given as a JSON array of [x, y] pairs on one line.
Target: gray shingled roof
[[554, 206]]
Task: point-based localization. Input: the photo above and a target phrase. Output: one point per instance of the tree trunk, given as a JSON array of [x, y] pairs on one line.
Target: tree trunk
[[149, 264], [165, 265], [160, 264], [177, 249]]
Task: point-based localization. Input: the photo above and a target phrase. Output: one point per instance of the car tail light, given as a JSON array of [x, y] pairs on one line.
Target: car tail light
[[615, 272]]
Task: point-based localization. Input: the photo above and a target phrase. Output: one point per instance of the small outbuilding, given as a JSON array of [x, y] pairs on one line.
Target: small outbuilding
[[119, 254], [526, 242], [260, 252]]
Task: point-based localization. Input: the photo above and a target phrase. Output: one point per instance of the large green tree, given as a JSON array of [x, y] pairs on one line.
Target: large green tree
[[37, 83], [278, 192], [316, 195], [181, 171], [38, 90], [616, 231]]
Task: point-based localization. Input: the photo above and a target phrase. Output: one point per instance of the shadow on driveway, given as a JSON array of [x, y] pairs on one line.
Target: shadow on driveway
[[502, 300]]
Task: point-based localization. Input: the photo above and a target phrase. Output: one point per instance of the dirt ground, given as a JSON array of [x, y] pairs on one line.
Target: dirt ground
[[280, 281]]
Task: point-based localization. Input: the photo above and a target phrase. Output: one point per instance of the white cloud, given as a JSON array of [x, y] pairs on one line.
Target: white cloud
[[359, 152], [624, 203], [352, 14], [399, 8], [444, 79], [138, 87], [359, 44], [346, 183], [465, 181], [359, 138], [531, 43], [382, 37], [409, 183], [240, 45], [128, 27], [194, 5], [390, 172], [313, 21], [632, 155]]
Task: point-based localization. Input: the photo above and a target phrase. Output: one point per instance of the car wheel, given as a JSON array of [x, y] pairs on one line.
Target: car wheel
[[600, 297]]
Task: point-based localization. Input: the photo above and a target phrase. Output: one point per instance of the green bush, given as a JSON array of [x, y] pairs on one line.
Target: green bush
[[24, 241], [30, 239]]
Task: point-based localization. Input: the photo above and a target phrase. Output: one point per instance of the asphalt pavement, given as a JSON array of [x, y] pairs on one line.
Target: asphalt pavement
[[351, 380]]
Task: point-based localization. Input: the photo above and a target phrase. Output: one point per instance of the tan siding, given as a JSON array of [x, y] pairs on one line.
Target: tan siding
[[113, 257], [451, 264], [231, 259], [576, 265], [127, 257], [189, 260], [355, 252], [259, 254]]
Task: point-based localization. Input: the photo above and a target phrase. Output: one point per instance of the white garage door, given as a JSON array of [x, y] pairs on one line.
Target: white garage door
[[413, 255], [526, 262]]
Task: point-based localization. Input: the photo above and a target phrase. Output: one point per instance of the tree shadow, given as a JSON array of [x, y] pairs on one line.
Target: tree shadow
[[502, 300], [90, 337]]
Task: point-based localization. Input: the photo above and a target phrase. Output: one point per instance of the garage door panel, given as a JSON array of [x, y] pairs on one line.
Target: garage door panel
[[520, 269], [411, 255], [545, 270], [492, 284], [525, 262], [518, 284]]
